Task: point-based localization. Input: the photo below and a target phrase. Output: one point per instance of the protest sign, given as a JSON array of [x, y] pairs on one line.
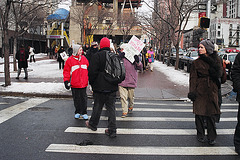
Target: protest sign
[[133, 47]]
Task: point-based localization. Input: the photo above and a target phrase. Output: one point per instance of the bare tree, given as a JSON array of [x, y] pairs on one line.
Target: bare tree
[[88, 16], [18, 16], [175, 15], [126, 23], [4, 13]]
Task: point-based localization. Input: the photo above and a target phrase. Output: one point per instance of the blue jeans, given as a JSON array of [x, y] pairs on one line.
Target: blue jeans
[[109, 100]]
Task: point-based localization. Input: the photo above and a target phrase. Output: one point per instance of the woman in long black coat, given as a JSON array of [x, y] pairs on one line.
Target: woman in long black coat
[[204, 84]]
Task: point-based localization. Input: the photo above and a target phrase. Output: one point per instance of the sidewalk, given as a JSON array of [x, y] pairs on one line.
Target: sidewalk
[[45, 80]]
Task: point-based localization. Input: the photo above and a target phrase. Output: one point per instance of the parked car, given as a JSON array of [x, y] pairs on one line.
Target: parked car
[[173, 52], [229, 58], [192, 55]]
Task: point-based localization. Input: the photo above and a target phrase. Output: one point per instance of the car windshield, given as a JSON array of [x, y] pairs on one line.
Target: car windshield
[[231, 58], [194, 54]]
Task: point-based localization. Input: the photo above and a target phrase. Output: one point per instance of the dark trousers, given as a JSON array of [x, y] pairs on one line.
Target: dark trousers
[[32, 58], [80, 100], [211, 129], [109, 100], [237, 132], [61, 64]]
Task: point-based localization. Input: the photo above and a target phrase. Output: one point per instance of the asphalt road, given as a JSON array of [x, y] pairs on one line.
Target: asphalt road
[[45, 129]]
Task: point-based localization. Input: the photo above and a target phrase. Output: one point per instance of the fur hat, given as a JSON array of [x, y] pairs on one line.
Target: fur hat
[[105, 42], [75, 49], [209, 45]]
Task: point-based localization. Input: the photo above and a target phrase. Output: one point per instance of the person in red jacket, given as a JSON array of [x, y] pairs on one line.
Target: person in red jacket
[[75, 76]]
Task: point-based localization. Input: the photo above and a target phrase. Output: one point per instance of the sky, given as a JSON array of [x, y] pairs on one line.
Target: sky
[[49, 69], [65, 4]]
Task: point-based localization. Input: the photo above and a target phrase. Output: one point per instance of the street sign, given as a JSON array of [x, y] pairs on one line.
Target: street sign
[[213, 8], [202, 6]]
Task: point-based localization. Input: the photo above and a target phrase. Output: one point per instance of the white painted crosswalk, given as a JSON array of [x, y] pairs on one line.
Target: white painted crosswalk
[[12, 111], [153, 150], [147, 131], [133, 150]]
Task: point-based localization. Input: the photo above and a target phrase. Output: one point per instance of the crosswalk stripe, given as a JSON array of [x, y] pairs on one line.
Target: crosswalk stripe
[[12, 111], [147, 131], [3, 103], [156, 119], [172, 104], [165, 110], [144, 150]]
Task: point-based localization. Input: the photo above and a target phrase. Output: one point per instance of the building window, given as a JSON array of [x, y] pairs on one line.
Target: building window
[[218, 33], [219, 25]]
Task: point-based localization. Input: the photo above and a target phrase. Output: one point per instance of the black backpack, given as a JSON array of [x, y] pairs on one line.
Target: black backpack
[[114, 68]]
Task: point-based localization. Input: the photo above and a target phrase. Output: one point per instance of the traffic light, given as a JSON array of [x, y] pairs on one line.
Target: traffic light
[[204, 22]]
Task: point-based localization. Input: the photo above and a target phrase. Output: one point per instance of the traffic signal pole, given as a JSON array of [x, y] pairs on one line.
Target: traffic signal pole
[[208, 15]]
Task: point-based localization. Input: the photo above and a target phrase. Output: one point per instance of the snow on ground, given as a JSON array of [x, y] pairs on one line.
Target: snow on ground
[[40, 69], [49, 69], [180, 77]]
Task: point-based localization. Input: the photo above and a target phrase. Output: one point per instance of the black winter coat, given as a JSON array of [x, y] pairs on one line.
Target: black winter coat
[[22, 56], [235, 74], [96, 73]]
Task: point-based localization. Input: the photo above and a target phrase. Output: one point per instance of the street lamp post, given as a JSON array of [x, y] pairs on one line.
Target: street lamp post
[[208, 15]]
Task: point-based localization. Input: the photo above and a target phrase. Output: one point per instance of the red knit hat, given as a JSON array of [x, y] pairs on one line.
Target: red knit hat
[[105, 42]]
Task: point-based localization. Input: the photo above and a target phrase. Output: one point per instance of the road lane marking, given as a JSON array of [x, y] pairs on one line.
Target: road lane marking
[[3, 103], [164, 110], [163, 119], [147, 131], [12, 111], [144, 150], [172, 104]]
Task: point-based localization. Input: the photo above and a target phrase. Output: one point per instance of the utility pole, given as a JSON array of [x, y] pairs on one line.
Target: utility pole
[[208, 15]]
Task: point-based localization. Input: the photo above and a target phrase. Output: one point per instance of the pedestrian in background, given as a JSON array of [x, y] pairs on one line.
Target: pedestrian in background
[[204, 83], [150, 56], [75, 76], [22, 56], [59, 58], [144, 59], [127, 87], [55, 51], [70, 51], [92, 50], [235, 74], [31, 53], [104, 92]]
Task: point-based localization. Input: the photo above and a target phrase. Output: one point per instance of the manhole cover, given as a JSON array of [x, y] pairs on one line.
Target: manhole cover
[[39, 109]]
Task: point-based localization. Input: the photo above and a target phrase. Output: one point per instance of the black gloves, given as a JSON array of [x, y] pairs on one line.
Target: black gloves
[[136, 58], [122, 54], [67, 85], [192, 96]]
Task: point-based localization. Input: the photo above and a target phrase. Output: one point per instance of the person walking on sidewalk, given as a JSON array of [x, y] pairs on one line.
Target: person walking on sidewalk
[[235, 74], [22, 56], [104, 92], [31, 53], [204, 83], [150, 56], [75, 76], [127, 87], [59, 57]]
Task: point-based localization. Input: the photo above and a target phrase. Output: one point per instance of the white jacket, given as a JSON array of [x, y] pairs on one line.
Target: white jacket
[[31, 53]]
